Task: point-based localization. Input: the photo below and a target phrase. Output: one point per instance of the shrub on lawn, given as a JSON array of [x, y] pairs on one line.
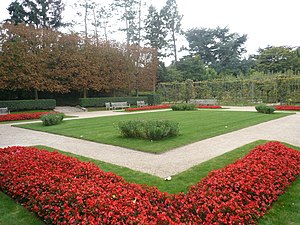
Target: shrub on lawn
[[265, 109], [52, 119], [183, 107], [151, 130]]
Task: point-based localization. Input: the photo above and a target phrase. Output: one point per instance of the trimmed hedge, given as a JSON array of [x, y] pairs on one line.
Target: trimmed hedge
[[100, 102], [18, 105], [52, 119], [154, 99], [183, 107], [265, 109]]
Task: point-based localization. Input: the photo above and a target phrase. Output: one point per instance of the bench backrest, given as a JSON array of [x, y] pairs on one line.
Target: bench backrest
[[4, 110]]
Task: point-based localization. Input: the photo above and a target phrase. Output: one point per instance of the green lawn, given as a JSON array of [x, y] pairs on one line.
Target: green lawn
[[194, 126], [285, 210]]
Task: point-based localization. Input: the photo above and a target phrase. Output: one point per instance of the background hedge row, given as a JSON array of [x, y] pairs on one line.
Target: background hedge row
[[100, 102], [18, 105]]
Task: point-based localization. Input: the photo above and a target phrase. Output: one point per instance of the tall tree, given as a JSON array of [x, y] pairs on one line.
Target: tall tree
[[278, 59], [129, 13], [155, 32], [172, 20], [218, 48], [41, 13]]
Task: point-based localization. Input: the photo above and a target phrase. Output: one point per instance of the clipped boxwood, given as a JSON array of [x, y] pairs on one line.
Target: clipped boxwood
[[265, 109], [183, 107], [151, 130], [100, 102], [19, 105], [52, 119], [154, 99]]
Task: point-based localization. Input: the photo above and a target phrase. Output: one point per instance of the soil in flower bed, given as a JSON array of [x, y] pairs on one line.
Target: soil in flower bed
[[63, 190]]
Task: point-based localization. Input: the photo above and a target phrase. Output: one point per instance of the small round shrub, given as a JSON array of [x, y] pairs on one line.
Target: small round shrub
[[265, 109], [183, 107], [52, 119], [151, 130]]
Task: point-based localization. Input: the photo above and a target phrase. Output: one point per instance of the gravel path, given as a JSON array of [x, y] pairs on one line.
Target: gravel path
[[285, 129]]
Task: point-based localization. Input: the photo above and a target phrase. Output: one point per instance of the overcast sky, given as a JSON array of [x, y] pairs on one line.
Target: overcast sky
[[266, 22]]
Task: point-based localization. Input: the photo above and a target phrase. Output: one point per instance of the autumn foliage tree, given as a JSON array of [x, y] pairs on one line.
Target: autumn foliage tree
[[39, 60]]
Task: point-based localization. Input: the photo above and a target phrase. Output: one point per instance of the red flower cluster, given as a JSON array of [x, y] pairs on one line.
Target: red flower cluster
[[22, 116], [209, 107], [166, 106], [63, 190], [287, 107]]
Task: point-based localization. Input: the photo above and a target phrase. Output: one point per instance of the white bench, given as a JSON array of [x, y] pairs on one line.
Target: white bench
[[204, 101], [141, 103], [4, 110], [118, 105]]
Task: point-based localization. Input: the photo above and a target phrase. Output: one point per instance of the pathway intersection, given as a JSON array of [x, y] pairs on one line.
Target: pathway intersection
[[286, 129]]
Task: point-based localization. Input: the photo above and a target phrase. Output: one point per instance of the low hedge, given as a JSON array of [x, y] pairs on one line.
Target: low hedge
[[19, 105], [100, 102], [52, 119], [153, 99]]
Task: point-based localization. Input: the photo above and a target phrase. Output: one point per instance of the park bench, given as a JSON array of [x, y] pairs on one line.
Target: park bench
[[116, 105], [141, 103], [4, 110], [204, 101]]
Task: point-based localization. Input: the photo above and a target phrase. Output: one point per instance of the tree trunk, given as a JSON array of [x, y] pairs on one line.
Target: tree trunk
[[174, 48], [84, 93], [36, 96]]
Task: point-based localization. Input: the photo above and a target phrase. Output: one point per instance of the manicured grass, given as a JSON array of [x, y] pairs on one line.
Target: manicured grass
[[284, 211], [194, 126], [12, 213]]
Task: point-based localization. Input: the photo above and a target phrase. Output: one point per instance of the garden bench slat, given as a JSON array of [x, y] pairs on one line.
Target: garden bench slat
[[4, 111]]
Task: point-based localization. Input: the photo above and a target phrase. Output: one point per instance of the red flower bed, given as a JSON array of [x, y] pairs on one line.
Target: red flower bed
[[63, 190], [166, 106], [22, 116], [287, 107], [209, 107]]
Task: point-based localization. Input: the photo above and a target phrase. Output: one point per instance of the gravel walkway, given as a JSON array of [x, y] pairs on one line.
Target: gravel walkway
[[285, 129]]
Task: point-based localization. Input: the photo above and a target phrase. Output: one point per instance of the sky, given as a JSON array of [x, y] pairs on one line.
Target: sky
[[266, 22]]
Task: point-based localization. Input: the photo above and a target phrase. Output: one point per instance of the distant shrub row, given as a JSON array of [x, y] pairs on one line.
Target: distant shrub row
[[152, 99], [151, 130], [19, 105]]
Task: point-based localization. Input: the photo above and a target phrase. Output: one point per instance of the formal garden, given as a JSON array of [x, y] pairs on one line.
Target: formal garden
[[255, 183], [129, 102]]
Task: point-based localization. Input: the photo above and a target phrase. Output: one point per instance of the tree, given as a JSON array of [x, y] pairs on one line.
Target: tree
[[278, 60], [193, 68], [25, 59], [218, 48], [41, 13], [155, 32], [172, 20]]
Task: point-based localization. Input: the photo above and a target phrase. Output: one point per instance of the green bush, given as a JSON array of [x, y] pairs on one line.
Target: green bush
[[52, 119], [183, 107], [19, 105], [153, 99], [265, 109], [100, 102], [151, 130]]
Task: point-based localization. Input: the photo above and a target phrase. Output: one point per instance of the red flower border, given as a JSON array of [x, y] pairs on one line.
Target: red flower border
[[287, 107], [21, 116], [209, 107], [165, 106], [63, 190]]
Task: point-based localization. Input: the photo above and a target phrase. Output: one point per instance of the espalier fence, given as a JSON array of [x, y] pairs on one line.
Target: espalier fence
[[283, 89]]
